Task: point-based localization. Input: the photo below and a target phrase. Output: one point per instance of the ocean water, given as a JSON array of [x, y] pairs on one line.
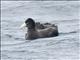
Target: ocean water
[[65, 14]]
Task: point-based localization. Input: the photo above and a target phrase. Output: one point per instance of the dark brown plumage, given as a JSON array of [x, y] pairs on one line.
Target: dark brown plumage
[[37, 30]]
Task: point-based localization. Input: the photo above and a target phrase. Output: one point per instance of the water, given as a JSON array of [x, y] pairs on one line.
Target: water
[[65, 14]]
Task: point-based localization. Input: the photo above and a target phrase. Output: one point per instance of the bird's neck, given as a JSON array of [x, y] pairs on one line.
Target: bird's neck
[[31, 29], [32, 34]]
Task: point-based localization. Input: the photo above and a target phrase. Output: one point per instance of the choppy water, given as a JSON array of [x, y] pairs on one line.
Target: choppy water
[[63, 47]]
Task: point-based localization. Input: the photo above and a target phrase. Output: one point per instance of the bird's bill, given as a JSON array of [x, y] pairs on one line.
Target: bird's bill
[[23, 25]]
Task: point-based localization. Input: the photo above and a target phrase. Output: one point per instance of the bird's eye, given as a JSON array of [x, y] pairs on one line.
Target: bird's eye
[[27, 23]]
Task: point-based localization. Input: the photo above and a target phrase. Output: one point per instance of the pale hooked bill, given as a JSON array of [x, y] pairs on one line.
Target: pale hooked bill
[[23, 27]]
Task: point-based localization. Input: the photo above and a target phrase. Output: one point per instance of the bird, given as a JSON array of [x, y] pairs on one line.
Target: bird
[[38, 30]]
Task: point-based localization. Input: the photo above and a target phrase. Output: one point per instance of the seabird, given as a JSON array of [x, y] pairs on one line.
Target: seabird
[[41, 31]]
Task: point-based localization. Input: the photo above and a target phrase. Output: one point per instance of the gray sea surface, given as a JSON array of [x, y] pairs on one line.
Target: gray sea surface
[[65, 14]]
